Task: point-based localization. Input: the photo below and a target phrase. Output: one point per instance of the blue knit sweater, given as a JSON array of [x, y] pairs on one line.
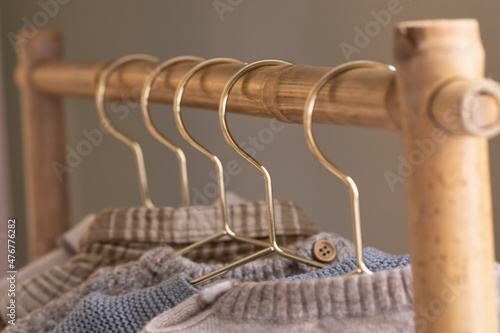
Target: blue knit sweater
[[99, 313]]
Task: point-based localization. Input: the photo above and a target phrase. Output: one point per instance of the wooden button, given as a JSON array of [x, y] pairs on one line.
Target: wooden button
[[324, 251]]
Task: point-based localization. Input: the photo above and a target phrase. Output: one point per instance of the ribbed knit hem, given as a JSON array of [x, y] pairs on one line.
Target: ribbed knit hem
[[190, 224], [286, 301]]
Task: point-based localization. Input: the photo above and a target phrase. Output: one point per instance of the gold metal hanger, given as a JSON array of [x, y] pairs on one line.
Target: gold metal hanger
[[106, 121], [226, 230], [311, 142], [146, 91], [273, 246]]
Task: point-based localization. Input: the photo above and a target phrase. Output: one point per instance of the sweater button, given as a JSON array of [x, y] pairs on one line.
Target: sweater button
[[324, 251]]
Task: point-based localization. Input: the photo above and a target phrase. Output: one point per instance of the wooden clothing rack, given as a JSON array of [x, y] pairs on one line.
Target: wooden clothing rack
[[437, 94]]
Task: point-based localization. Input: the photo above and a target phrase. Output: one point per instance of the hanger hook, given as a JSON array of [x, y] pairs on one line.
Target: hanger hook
[[106, 121], [273, 245], [146, 91], [218, 165], [267, 177], [311, 142]]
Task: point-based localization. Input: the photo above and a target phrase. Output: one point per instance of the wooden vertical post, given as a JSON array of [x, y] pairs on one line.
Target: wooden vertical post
[[43, 144], [448, 183]]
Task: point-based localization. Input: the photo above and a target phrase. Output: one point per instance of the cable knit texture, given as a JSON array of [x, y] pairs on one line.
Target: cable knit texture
[[374, 259], [381, 302], [99, 313], [162, 263]]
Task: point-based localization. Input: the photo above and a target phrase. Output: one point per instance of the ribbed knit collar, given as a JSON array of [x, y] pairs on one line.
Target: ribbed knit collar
[[375, 260], [190, 224], [288, 301]]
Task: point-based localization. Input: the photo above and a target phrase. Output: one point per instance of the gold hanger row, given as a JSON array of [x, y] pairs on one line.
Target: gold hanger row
[[272, 245]]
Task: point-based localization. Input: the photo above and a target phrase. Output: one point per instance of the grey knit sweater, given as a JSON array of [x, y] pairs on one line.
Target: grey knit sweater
[[128, 313], [162, 263]]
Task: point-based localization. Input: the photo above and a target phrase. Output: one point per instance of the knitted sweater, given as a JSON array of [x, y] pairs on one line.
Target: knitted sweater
[[380, 302], [161, 263], [128, 313]]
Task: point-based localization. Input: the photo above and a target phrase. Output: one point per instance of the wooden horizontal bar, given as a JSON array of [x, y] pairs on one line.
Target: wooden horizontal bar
[[363, 97]]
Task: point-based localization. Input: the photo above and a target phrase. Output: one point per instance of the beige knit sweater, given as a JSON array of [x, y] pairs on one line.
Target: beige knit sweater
[[381, 302]]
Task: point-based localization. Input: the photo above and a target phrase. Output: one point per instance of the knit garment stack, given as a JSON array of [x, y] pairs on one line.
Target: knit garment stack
[[126, 277], [160, 264], [118, 236]]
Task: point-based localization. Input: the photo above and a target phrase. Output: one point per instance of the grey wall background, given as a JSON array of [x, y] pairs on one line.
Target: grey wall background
[[304, 32]]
